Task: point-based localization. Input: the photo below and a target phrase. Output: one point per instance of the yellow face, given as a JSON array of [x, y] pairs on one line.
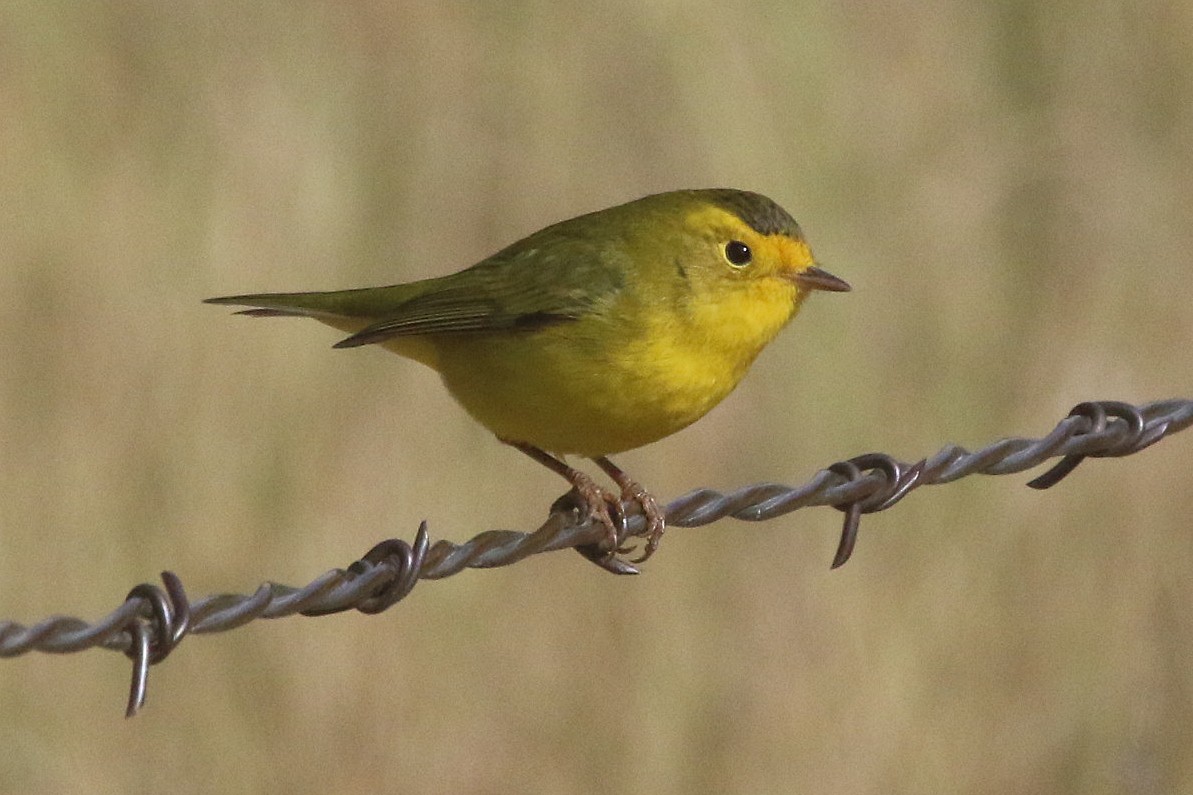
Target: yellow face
[[744, 285], [745, 253], [705, 295]]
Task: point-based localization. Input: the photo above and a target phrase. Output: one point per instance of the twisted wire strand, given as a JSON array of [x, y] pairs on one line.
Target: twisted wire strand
[[153, 620]]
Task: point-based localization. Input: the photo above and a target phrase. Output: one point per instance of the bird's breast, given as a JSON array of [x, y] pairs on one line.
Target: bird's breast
[[610, 381]]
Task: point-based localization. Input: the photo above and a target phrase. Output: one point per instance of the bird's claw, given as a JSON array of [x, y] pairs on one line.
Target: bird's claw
[[656, 520], [600, 506]]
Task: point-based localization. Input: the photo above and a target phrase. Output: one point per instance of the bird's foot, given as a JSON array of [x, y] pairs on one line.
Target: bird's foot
[[602, 506], [656, 520], [632, 491], [598, 504]]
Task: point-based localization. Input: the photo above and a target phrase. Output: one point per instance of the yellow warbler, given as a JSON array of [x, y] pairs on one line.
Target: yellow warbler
[[597, 334]]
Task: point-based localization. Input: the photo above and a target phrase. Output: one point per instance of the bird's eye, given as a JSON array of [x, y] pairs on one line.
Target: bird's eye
[[738, 253]]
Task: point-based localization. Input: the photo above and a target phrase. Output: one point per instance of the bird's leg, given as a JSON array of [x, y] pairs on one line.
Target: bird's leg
[[590, 497], [632, 491]]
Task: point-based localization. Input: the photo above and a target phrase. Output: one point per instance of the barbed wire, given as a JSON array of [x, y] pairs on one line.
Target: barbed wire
[[153, 620]]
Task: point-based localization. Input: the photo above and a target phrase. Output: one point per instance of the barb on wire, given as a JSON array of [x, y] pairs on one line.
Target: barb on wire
[[152, 621]]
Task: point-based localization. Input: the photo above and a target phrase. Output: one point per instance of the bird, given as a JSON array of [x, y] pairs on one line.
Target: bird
[[595, 335]]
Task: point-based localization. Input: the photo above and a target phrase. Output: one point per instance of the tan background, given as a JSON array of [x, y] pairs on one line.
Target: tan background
[[1007, 187]]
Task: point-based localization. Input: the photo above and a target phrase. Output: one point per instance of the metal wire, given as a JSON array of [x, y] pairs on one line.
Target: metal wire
[[153, 620]]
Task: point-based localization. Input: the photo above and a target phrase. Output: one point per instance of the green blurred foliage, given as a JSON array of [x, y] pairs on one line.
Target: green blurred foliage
[[1005, 184]]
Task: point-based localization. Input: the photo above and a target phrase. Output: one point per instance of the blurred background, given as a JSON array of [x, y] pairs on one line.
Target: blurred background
[[1006, 184]]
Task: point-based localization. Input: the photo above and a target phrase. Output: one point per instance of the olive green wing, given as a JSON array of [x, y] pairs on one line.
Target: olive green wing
[[551, 277], [541, 281]]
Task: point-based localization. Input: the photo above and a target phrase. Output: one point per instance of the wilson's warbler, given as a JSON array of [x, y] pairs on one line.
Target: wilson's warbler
[[597, 334]]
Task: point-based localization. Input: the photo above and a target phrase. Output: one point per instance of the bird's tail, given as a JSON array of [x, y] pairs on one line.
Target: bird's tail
[[364, 303]]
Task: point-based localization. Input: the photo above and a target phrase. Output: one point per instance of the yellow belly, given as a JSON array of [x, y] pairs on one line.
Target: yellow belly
[[553, 391], [607, 382], [590, 389]]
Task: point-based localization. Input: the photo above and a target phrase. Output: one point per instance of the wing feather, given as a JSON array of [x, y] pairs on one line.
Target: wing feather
[[554, 276]]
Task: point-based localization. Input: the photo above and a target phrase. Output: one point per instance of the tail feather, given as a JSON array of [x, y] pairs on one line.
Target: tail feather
[[277, 304], [262, 312], [365, 303]]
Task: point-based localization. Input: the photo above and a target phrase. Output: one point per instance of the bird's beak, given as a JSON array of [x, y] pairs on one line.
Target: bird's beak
[[813, 278]]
